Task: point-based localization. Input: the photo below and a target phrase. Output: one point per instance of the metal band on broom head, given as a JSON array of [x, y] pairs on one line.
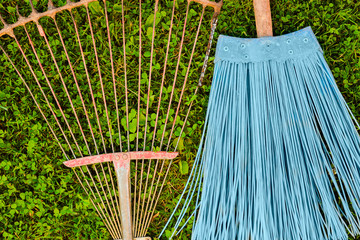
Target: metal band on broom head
[[116, 109]]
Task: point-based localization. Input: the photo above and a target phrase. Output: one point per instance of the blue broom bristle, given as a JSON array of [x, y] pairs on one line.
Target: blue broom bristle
[[280, 155]]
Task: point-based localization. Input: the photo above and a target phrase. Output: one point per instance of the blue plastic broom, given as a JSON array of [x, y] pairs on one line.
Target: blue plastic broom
[[280, 156]]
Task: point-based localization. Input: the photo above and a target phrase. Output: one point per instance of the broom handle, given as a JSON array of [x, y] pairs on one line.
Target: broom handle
[[263, 18]]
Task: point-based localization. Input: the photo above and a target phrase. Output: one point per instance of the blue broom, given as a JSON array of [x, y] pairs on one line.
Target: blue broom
[[280, 155]]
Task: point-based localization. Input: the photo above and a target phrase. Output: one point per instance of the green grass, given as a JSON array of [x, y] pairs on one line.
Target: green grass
[[40, 198]]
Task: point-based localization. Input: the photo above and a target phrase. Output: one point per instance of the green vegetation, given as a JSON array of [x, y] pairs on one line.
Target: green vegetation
[[39, 197]]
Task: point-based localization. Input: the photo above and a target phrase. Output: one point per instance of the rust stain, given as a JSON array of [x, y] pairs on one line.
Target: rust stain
[[122, 156], [35, 16]]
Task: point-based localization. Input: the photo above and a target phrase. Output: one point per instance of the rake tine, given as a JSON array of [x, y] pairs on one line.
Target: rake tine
[[75, 80], [107, 201], [113, 72], [150, 70], [36, 103], [116, 102], [186, 78], [101, 81], [44, 95], [52, 90], [50, 5], [169, 106], [102, 168], [3, 21], [138, 125], [208, 49], [147, 106], [78, 88], [175, 75], [42, 33], [125, 73], [102, 214], [33, 10], [88, 79], [152, 210], [100, 196], [18, 13], [163, 74]]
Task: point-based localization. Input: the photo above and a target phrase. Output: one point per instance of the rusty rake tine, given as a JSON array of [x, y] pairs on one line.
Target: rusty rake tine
[[76, 82], [102, 214], [117, 211], [214, 21], [144, 220], [83, 58], [139, 80], [51, 89], [167, 170], [109, 191], [147, 104], [125, 73], [42, 33], [186, 78], [113, 72], [107, 201], [161, 87], [163, 75], [96, 188], [172, 92], [101, 80], [139, 199], [213, 27], [78, 88], [135, 216], [150, 70], [44, 95], [87, 76], [134, 201], [116, 104], [151, 212], [36, 103], [175, 75], [207, 54], [103, 93]]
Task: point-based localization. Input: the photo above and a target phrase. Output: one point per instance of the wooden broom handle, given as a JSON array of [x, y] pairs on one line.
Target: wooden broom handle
[[263, 18]]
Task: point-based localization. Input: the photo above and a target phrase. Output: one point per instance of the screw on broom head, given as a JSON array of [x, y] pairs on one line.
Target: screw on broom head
[[104, 104]]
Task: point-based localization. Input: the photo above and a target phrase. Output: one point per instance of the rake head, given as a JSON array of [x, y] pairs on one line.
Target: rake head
[[115, 83]]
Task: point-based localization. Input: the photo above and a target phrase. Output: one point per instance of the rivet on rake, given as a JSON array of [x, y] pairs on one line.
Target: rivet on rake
[[291, 51], [306, 40], [226, 49], [242, 45], [288, 41], [246, 56]]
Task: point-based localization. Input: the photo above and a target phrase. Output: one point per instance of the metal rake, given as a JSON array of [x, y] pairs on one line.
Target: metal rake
[[119, 101]]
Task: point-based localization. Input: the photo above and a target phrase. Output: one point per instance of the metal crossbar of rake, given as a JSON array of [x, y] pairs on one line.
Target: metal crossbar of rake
[[123, 218], [122, 168]]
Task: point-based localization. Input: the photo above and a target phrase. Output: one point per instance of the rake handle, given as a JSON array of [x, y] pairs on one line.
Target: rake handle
[[263, 18]]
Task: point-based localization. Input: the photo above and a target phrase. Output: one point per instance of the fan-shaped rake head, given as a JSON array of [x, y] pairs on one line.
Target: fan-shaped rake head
[[118, 109]]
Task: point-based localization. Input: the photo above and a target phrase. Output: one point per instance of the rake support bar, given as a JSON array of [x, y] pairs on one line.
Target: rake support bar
[[122, 168]]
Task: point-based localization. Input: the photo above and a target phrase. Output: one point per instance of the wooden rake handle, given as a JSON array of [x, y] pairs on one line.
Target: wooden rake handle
[[263, 18]]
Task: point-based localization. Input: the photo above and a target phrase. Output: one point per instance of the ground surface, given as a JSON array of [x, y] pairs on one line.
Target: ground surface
[[38, 197]]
